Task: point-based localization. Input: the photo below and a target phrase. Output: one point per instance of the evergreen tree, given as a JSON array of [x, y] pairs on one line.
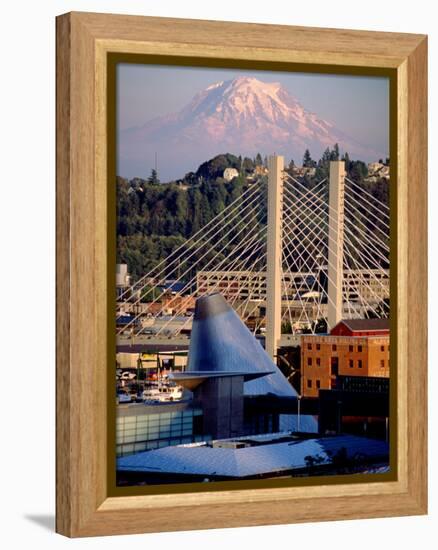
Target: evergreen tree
[[153, 178], [358, 171], [326, 158], [335, 153], [308, 162], [346, 159], [248, 165]]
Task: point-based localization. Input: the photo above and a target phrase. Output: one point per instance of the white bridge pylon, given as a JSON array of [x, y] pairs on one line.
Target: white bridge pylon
[[284, 253], [274, 266], [335, 242], [275, 248]]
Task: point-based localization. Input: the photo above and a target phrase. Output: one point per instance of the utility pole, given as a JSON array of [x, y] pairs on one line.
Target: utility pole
[[274, 254], [335, 242]]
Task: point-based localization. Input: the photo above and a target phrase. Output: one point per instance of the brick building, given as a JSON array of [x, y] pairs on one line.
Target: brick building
[[356, 347]]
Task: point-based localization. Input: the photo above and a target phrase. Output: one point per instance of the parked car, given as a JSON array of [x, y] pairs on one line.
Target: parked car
[[136, 397], [123, 397]]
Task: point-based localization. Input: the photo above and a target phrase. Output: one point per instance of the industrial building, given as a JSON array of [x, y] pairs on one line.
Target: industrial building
[[243, 409], [255, 458], [370, 286], [354, 347], [142, 427], [233, 388]]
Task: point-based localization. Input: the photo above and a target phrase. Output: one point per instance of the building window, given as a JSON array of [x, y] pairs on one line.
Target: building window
[[350, 349], [359, 363], [318, 346], [309, 361], [359, 349], [351, 363], [318, 362], [382, 348], [309, 346], [334, 347], [382, 363], [309, 383], [318, 384]]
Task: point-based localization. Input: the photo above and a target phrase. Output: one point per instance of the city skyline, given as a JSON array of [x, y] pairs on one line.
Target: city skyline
[[252, 297]]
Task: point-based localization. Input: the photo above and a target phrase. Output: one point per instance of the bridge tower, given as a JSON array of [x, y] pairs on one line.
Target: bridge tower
[[335, 242], [274, 254]]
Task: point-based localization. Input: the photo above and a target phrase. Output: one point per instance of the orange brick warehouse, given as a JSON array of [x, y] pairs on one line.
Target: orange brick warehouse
[[356, 347]]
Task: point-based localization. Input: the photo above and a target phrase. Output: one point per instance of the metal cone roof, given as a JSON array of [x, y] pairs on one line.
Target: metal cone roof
[[221, 342]]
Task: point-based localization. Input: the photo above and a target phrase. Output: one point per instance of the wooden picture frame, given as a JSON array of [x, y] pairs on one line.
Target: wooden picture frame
[[85, 505]]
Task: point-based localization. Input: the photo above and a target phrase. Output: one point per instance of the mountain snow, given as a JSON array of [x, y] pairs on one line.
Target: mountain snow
[[241, 116]]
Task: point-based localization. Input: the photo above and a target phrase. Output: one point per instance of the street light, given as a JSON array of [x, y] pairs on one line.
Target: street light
[[299, 412], [139, 367]]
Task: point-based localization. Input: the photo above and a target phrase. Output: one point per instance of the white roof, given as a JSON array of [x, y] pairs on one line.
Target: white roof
[[248, 461]]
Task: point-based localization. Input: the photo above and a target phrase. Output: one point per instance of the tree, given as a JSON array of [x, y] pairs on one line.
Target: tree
[[314, 460], [308, 162], [326, 157], [153, 178], [149, 294], [258, 161], [321, 326], [190, 178], [214, 168], [248, 165], [334, 155], [358, 171], [195, 198], [346, 159]]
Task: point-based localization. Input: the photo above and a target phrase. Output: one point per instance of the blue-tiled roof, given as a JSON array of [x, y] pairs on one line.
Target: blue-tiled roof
[[174, 286], [249, 461], [290, 423], [220, 341]]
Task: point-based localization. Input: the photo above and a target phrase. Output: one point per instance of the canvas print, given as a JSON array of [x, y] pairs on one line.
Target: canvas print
[[253, 276]]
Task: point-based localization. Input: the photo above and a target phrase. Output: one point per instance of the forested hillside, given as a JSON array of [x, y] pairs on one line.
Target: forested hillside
[[154, 218]]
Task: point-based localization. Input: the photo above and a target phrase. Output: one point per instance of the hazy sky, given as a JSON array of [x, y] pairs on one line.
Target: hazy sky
[[359, 106]]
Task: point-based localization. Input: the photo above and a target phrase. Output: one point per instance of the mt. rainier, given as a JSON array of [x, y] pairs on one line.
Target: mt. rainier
[[241, 116]]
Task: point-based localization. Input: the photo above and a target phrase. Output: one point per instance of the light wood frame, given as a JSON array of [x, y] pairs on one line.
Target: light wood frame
[[83, 505]]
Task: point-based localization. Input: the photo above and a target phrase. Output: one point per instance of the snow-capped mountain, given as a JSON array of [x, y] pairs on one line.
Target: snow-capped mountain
[[241, 116]]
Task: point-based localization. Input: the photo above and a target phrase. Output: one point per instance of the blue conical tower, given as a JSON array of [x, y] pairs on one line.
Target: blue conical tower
[[221, 342]]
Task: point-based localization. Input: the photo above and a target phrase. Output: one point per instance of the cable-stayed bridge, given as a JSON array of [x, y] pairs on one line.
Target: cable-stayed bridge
[[288, 256]]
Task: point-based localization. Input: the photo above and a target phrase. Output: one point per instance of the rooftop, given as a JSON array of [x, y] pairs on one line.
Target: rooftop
[[256, 455], [365, 324], [221, 342]]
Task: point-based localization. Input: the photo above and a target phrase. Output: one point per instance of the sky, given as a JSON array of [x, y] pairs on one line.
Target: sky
[[357, 105]]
